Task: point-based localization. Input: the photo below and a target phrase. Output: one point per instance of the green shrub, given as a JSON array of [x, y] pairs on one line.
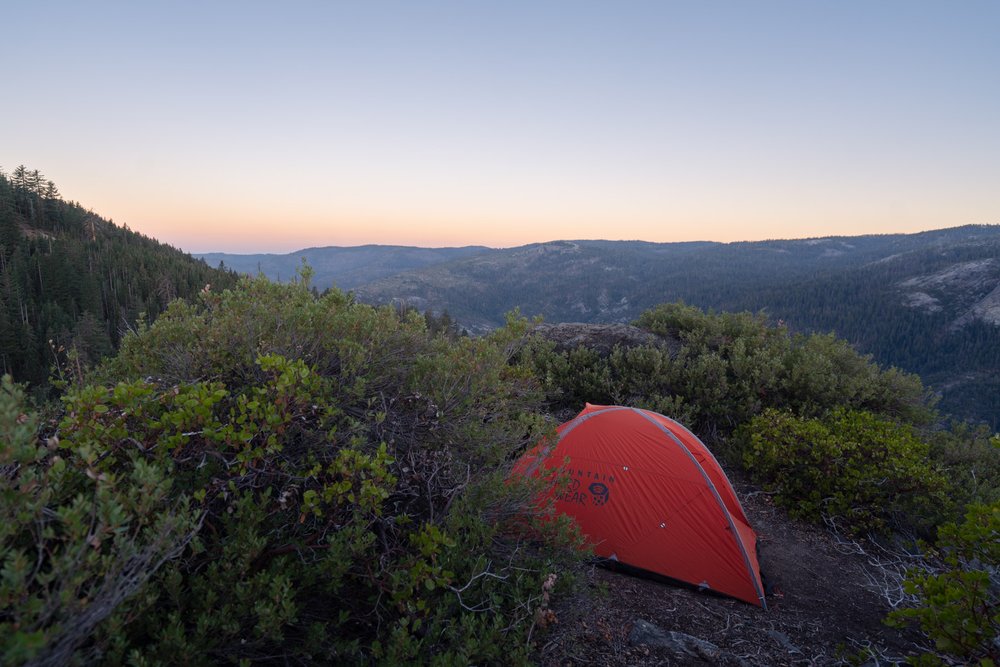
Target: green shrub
[[729, 368], [78, 541], [822, 372], [864, 471], [733, 365], [346, 472], [636, 376], [573, 377], [959, 598], [970, 457]]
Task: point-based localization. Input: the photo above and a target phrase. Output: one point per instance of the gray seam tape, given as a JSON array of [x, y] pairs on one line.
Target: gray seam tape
[[572, 425], [718, 499]]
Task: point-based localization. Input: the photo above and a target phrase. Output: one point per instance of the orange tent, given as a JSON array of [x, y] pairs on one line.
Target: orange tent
[[648, 493]]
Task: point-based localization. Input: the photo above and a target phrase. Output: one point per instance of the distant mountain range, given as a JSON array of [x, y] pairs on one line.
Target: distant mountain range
[[928, 302], [614, 281], [344, 267]]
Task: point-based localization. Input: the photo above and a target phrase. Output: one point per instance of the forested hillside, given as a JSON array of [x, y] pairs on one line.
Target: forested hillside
[[608, 281], [932, 311], [72, 283], [928, 303]]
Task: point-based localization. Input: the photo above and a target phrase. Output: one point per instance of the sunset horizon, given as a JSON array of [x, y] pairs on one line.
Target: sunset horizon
[[250, 128], [205, 235]]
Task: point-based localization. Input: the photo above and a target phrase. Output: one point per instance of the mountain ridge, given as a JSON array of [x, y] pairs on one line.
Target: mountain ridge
[[928, 302], [345, 267], [434, 287]]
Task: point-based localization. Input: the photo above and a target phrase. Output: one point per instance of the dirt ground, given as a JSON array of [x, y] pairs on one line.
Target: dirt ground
[[822, 608]]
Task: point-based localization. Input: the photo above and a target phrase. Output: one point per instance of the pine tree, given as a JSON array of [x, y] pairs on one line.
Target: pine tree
[[36, 182], [20, 177]]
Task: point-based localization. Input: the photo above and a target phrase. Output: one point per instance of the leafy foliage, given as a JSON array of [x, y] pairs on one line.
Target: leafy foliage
[[348, 474], [959, 599], [970, 457], [853, 466], [79, 539], [754, 365], [637, 376], [728, 369]]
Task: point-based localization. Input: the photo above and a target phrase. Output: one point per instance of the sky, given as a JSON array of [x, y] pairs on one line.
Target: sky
[[274, 126]]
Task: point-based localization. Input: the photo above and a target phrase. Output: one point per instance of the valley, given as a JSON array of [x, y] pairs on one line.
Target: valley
[[928, 303]]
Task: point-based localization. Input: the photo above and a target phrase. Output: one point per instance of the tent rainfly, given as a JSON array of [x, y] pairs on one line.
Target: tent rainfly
[[648, 493]]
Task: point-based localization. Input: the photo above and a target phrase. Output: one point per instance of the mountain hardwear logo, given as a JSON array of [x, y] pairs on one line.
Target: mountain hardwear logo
[[599, 492]]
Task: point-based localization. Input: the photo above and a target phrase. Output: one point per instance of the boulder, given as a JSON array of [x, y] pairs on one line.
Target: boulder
[[682, 647], [602, 338]]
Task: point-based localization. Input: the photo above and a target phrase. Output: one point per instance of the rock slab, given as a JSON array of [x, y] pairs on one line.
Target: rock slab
[[683, 647]]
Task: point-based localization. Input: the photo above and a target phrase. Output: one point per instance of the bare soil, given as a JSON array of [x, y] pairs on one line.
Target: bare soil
[[822, 608]]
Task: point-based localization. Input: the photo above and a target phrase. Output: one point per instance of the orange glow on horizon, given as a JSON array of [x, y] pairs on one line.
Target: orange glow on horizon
[[502, 124], [261, 232]]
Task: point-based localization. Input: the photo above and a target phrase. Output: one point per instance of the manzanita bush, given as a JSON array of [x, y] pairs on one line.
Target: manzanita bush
[[864, 471], [268, 476], [958, 594]]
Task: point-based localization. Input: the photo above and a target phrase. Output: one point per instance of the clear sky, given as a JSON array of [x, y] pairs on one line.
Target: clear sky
[[272, 126]]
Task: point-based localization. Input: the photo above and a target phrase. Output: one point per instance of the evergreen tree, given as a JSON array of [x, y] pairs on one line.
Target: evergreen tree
[[69, 277], [50, 191]]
